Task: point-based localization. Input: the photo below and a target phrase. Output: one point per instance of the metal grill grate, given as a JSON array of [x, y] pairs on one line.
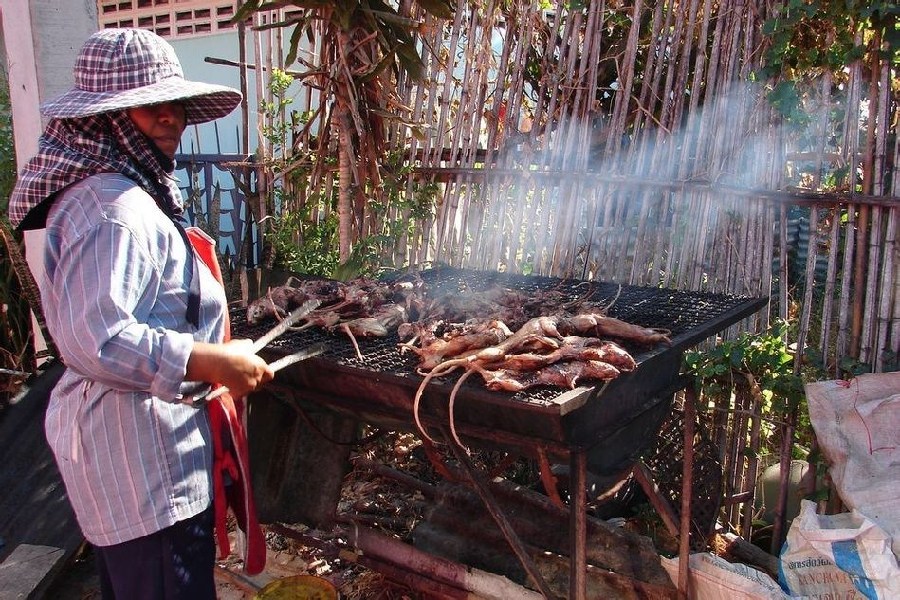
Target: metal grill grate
[[690, 316], [678, 311]]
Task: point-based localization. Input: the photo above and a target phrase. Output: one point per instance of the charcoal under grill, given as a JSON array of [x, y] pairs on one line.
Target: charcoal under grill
[[613, 422]]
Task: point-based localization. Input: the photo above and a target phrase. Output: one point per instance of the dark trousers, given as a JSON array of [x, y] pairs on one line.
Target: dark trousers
[[175, 563]]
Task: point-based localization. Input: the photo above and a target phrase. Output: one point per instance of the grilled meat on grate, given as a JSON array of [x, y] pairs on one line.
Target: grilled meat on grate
[[512, 338]]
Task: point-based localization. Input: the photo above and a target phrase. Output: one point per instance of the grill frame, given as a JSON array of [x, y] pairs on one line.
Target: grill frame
[[380, 389]]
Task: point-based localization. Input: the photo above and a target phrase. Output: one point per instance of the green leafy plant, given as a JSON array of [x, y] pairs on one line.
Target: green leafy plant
[[302, 236], [808, 39], [761, 361], [302, 244], [809, 36], [276, 130], [366, 46]]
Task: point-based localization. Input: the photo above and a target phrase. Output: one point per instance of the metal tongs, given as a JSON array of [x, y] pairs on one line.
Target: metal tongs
[[264, 340]]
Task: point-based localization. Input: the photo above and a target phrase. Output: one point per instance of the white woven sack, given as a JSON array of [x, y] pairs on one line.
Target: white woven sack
[[857, 424], [838, 556], [713, 578]]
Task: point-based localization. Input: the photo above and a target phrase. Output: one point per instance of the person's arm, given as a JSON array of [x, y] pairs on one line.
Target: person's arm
[[230, 364], [107, 286]]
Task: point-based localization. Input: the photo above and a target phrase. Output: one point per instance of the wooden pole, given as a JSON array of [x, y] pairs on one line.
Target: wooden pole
[[862, 237], [262, 177]]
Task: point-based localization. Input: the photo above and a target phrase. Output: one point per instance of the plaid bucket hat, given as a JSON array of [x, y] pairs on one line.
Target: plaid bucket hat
[[118, 69]]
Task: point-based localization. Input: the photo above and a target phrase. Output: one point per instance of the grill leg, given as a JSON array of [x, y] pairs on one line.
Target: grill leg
[[578, 525], [687, 479]]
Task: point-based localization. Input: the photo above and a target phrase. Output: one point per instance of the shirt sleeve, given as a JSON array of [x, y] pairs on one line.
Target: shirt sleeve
[[114, 295]]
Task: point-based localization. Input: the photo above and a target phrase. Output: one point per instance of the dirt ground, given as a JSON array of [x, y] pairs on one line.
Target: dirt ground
[[80, 582]]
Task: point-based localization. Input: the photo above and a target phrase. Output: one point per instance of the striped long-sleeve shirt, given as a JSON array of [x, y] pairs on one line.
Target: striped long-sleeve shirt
[[133, 457]]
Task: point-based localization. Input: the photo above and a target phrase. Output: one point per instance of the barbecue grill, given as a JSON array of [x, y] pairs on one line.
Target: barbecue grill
[[595, 427], [381, 386]]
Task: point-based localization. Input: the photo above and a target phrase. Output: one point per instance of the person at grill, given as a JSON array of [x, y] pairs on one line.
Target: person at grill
[[137, 318]]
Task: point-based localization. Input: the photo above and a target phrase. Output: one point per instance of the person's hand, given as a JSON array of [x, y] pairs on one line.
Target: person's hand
[[243, 370], [231, 364]]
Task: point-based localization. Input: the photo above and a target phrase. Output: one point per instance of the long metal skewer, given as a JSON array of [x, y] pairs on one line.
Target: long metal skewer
[[276, 365]]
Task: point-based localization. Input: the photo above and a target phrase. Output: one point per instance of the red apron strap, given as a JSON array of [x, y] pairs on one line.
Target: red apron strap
[[231, 456]]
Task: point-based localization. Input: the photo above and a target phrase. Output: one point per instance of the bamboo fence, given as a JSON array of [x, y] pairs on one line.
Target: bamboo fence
[[633, 141], [683, 178], [629, 142]]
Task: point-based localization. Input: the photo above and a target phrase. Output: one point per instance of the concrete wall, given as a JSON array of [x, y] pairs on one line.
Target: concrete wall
[[193, 52], [223, 136], [60, 30], [41, 39]]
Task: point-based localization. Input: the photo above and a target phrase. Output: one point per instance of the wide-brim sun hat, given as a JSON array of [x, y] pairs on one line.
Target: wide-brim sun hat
[[118, 69]]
